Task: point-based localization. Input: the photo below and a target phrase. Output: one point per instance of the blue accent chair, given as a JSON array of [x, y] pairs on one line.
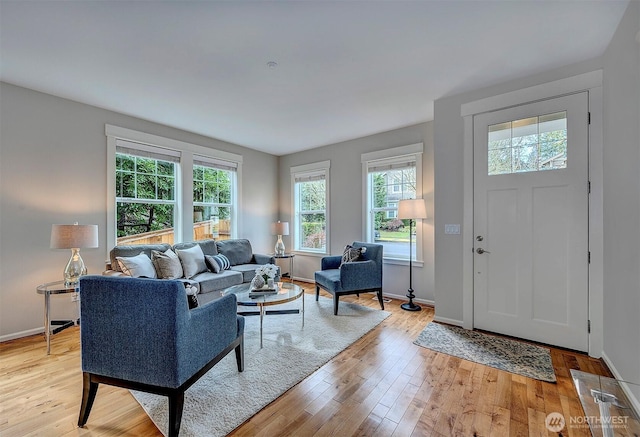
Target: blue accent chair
[[352, 277], [140, 334]]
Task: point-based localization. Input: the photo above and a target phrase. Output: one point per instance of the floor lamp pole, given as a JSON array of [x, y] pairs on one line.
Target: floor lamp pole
[[410, 306]]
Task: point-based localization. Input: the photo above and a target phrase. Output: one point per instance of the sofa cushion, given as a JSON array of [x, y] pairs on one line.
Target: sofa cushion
[[217, 281], [238, 251], [139, 266], [167, 264], [192, 260], [248, 271], [208, 246], [134, 250]]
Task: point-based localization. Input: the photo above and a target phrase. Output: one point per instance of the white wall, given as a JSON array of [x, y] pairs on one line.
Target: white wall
[[53, 170], [347, 204], [622, 199]]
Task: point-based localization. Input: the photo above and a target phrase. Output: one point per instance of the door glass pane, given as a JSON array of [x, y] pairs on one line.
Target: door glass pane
[[529, 144]]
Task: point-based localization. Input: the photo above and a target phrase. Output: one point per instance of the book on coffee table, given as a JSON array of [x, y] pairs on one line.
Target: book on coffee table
[[264, 291]]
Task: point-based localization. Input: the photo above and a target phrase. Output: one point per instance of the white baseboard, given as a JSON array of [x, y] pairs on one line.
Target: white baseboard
[[448, 321], [403, 297], [635, 403], [21, 334]]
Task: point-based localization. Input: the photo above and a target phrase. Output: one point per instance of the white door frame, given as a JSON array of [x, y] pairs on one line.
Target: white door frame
[[591, 82]]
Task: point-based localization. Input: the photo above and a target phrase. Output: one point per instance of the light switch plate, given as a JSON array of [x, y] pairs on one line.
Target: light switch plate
[[452, 229]]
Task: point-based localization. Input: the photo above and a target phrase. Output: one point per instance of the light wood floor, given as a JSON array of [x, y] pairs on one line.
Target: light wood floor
[[382, 385]]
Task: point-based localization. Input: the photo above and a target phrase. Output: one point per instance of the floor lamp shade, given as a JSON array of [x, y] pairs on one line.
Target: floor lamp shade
[[411, 209], [74, 237], [280, 228]]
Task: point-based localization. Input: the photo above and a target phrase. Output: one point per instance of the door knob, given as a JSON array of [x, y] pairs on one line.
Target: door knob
[[480, 251]]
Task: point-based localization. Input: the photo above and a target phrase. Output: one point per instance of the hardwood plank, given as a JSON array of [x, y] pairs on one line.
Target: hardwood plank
[[382, 385]]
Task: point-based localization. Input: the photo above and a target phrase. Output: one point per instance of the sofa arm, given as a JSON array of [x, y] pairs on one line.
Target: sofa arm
[[263, 259], [359, 275], [330, 262]]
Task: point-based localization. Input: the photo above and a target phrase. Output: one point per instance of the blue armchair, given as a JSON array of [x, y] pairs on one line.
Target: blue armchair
[[140, 334], [356, 277]]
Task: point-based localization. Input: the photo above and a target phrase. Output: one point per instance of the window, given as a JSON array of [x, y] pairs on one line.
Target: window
[[391, 176], [145, 194], [529, 144], [150, 179], [310, 206], [213, 182]]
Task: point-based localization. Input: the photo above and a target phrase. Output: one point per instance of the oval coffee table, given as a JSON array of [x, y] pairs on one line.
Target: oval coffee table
[[287, 292]]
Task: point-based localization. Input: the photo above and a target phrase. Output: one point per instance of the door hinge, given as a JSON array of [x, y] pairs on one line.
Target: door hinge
[[588, 326], [589, 186], [589, 257], [588, 117]]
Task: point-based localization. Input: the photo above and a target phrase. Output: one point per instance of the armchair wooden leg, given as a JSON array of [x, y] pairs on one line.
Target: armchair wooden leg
[[317, 292], [176, 404], [240, 355], [89, 391], [380, 299], [335, 304]]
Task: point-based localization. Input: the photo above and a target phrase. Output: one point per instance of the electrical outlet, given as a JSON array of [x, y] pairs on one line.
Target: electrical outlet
[[75, 297]]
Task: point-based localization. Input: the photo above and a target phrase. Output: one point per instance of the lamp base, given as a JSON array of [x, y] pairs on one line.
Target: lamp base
[[410, 306]]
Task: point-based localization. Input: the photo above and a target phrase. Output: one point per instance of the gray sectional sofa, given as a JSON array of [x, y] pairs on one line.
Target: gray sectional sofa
[[242, 263]]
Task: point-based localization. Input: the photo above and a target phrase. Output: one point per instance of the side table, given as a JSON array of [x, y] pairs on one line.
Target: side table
[[57, 287], [290, 256]]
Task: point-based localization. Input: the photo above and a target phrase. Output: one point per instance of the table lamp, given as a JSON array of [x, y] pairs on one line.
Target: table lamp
[[74, 237], [411, 209], [280, 228]]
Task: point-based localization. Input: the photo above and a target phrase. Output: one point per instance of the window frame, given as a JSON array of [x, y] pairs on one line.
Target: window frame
[[302, 171], [412, 152], [145, 152], [183, 221]]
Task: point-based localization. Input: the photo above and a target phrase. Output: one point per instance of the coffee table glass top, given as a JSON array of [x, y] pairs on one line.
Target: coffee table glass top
[[286, 293]]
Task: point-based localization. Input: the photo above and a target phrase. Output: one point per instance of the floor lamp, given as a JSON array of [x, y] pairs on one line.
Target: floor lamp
[[411, 209]]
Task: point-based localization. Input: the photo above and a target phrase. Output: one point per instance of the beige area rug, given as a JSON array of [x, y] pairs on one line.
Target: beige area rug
[[502, 353], [224, 398]]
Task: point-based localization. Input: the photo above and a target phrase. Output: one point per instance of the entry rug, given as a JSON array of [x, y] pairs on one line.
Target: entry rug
[[224, 398], [502, 353]]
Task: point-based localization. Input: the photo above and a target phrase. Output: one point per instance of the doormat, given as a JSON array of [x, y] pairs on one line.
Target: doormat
[[499, 352]]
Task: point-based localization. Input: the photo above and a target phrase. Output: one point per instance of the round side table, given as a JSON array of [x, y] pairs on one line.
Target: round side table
[[289, 256], [57, 287]]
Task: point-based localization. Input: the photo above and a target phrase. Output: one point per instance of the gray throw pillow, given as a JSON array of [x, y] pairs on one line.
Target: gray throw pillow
[[139, 266], [192, 260], [167, 264]]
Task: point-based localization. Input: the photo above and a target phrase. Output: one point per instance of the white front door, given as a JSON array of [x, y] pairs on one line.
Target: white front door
[[531, 221]]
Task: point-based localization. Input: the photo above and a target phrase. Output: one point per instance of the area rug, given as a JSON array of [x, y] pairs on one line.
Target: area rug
[[224, 398], [502, 353]]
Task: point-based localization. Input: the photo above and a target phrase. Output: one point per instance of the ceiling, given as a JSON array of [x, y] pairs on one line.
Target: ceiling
[[345, 69]]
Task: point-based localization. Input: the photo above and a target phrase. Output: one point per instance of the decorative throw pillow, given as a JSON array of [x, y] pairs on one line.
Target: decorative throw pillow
[[139, 266], [218, 263], [192, 295], [351, 253], [167, 264], [192, 260]]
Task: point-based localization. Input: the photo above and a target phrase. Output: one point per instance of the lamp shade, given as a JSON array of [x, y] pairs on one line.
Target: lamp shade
[[280, 228], [412, 209], [74, 236]]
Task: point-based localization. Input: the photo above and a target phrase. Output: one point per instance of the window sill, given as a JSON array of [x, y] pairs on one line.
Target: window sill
[[402, 262]]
